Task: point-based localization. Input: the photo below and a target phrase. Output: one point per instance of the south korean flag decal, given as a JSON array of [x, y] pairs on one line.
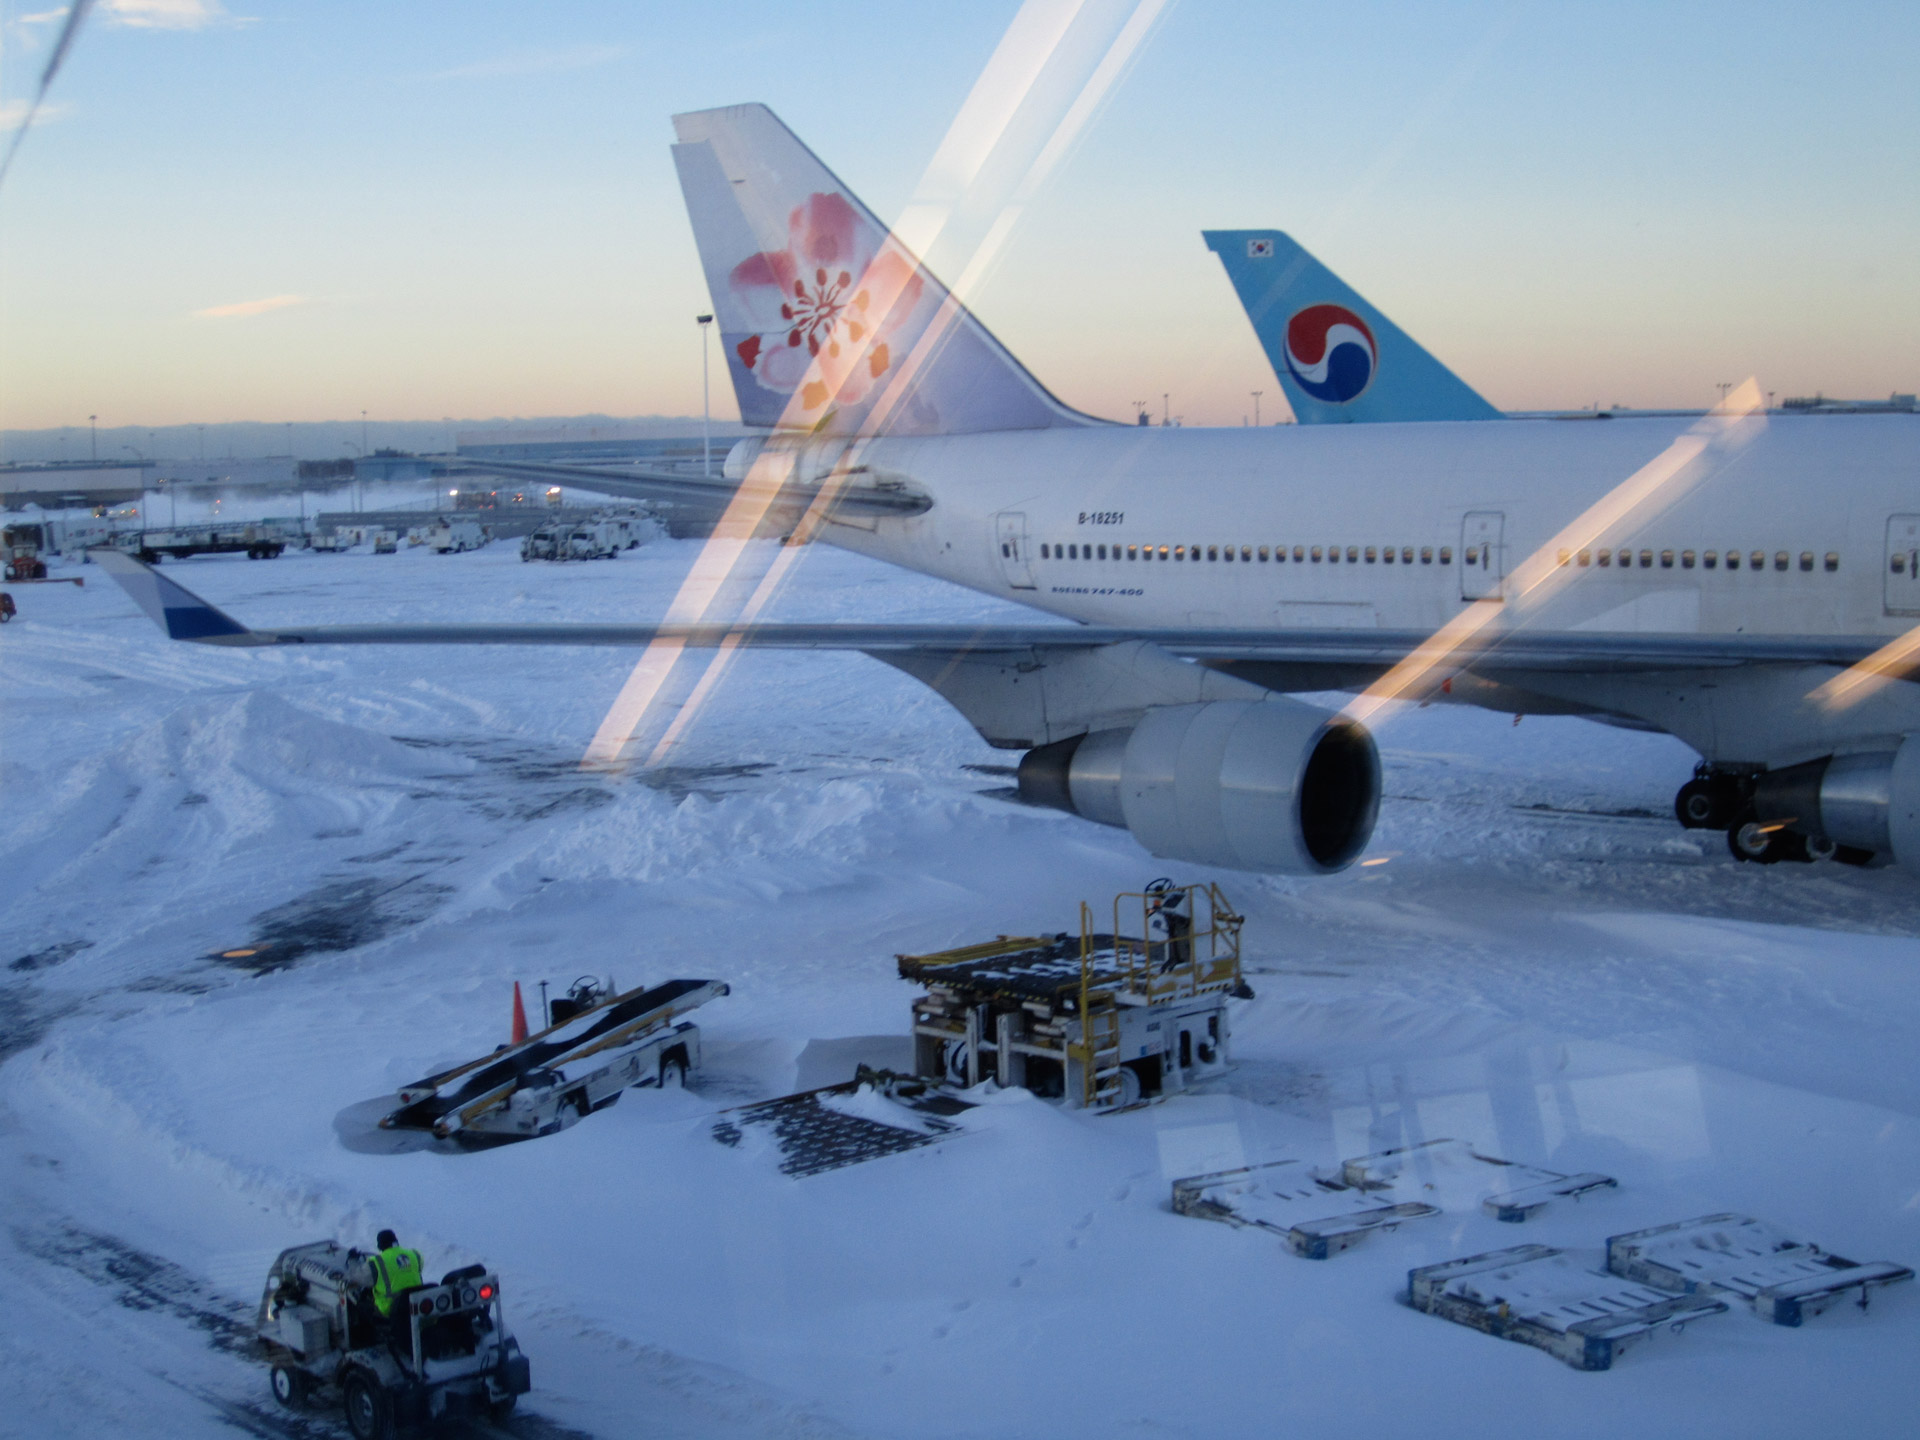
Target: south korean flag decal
[[1259, 249]]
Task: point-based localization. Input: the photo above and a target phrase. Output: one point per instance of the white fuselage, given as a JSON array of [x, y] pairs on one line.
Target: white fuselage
[[1099, 499], [1401, 527]]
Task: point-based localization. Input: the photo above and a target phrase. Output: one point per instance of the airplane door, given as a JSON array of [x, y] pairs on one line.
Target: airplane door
[[1483, 554], [1903, 565], [1016, 558]]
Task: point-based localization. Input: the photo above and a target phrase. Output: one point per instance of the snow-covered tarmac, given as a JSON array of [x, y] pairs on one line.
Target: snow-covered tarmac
[[1545, 965]]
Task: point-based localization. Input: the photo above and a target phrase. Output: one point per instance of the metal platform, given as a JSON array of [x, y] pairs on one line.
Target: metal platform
[[1785, 1280], [1546, 1298], [817, 1130], [1319, 1214]]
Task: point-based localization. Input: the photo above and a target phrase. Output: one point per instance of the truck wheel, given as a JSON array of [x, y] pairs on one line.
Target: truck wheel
[[290, 1387], [369, 1408], [500, 1409]]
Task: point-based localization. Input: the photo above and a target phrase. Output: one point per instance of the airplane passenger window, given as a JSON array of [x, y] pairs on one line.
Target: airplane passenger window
[[1833, 559], [1316, 554], [1710, 559], [1646, 559], [1470, 555], [1426, 554], [1353, 554], [1780, 559], [1733, 559], [1163, 552], [1686, 559], [1386, 554], [1565, 556], [1666, 559], [1446, 554], [1213, 552], [1263, 554], [1586, 557], [1899, 563], [1606, 558], [1007, 551], [1806, 559], [1757, 560], [1179, 552], [1372, 555], [1103, 552], [1073, 552], [1406, 554], [1298, 556], [1133, 552], [1246, 553]]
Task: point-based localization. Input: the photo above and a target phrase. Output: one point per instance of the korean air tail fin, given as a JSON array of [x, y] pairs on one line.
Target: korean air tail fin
[[1339, 360], [827, 322]]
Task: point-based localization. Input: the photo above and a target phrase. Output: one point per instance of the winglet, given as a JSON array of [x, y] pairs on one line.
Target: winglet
[[176, 610]]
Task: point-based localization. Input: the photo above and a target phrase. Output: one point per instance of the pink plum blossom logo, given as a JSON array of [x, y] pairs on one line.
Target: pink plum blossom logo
[[827, 304]]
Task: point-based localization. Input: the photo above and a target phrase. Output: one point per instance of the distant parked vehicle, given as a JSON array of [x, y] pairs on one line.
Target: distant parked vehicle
[[385, 542], [451, 537], [542, 544], [599, 540]]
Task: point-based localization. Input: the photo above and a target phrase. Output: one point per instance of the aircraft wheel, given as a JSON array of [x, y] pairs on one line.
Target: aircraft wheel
[[290, 1387], [1705, 805], [1752, 841], [369, 1408], [673, 1075]]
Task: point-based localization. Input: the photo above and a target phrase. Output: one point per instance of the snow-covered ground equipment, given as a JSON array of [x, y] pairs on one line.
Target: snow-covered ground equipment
[[453, 537], [1101, 1020], [874, 1114], [445, 1349], [1318, 1214], [543, 544], [1545, 1297], [256, 539], [1785, 1280], [385, 542], [599, 1044]]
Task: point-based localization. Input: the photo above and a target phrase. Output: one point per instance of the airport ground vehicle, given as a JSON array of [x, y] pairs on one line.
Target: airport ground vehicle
[[543, 544], [1101, 1019], [257, 539], [597, 1043], [445, 1350], [385, 542], [452, 537], [22, 549]]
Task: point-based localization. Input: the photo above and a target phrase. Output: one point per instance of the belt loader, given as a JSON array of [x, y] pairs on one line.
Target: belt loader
[[599, 1045], [444, 1350]]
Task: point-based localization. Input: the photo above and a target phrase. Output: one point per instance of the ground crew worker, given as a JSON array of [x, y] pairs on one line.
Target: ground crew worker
[[394, 1269]]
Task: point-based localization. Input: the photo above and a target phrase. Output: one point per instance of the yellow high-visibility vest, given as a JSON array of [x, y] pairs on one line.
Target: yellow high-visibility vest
[[394, 1269]]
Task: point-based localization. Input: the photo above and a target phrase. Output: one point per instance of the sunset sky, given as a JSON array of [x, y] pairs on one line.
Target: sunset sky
[[275, 211]]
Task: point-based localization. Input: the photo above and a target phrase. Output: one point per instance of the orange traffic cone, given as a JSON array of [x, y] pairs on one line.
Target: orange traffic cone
[[519, 1015]]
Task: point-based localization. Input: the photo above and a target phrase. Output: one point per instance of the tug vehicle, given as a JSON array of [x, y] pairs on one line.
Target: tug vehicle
[[445, 1349]]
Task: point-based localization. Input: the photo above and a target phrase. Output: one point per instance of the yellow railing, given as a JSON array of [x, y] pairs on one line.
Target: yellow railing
[[1196, 947]]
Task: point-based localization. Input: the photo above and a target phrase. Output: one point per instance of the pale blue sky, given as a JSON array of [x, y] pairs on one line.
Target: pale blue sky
[[476, 209]]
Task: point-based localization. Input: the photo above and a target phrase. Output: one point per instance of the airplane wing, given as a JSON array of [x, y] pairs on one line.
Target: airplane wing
[[861, 495], [185, 616]]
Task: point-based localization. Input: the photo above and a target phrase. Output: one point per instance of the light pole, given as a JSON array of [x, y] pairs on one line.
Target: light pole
[[705, 322], [1256, 408], [203, 442], [93, 438], [363, 432], [1166, 417]]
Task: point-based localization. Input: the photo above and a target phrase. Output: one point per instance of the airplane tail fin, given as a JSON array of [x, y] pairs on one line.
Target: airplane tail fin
[[1339, 360], [827, 322]]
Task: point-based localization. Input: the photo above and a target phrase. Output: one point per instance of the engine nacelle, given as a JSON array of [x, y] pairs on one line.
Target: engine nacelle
[[1868, 801], [1266, 785]]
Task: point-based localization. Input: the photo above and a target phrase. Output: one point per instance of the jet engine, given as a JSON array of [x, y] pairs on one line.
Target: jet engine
[[1869, 801], [1265, 785]]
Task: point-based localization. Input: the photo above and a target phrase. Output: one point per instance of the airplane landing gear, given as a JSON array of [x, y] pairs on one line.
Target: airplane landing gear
[[1711, 801], [1750, 840]]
